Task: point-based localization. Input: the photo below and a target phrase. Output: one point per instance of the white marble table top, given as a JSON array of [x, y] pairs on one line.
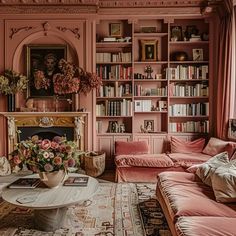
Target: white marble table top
[[46, 198]]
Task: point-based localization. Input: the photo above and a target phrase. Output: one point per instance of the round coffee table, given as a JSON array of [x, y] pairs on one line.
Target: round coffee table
[[50, 205]]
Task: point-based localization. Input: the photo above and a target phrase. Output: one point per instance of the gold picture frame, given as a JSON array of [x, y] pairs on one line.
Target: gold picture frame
[[149, 50], [115, 29], [43, 58]]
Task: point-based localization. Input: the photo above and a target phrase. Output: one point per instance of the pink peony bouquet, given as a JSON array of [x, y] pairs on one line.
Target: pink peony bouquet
[[43, 155], [40, 81]]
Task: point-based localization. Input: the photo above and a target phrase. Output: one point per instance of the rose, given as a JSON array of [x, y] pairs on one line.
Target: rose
[[46, 144], [48, 167], [54, 145], [57, 160], [16, 160]]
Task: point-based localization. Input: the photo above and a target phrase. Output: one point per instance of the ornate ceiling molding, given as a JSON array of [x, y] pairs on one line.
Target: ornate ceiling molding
[[94, 6]]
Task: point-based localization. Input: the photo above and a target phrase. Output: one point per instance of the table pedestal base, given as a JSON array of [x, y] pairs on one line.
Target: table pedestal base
[[49, 219]]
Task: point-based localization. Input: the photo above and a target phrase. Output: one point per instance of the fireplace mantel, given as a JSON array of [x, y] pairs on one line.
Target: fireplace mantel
[[77, 120]]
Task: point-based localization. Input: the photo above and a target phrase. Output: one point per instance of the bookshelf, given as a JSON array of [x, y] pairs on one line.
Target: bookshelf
[[154, 73]]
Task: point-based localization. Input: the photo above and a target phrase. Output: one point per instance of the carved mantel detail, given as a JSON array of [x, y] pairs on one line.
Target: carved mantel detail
[[15, 31], [76, 120], [75, 31]]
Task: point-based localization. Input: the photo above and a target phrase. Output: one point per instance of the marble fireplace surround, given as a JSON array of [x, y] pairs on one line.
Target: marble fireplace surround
[[45, 121]]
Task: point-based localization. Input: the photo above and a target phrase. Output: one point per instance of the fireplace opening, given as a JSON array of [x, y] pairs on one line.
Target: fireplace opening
[[46, 133]]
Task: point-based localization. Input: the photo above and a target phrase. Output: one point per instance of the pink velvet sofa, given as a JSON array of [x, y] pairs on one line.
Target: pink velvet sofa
[[190, 206], [135, 164]]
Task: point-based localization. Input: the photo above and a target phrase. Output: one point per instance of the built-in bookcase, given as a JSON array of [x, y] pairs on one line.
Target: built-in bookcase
[[155, 80]]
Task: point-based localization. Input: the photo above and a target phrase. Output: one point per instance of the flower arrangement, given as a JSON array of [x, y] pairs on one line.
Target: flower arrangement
[[43, 155], [73, 79], [12, 82], [40, 81]]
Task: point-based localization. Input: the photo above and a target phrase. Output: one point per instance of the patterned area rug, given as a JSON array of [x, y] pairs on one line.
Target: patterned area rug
[[112, 211]]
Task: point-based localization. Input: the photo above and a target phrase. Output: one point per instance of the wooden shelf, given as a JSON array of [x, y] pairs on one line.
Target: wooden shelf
[[189, 97], [192, 117], [110, 117], [150, 80], [189, 62], [188, 42], [113, 44], [151, 96], [146, 35], [114, 63], [150, 62], [150, 112], [114, 98], [116, 80], [188, 80]]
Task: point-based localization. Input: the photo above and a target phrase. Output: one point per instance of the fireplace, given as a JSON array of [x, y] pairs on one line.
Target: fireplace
[[46, 133], [73, 125]]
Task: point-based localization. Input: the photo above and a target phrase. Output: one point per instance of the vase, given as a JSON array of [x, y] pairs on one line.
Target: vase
[[11, 102], [53, 179]]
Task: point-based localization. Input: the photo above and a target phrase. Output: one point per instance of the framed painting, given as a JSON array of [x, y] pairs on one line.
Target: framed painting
[[115, 29], [176, 33], [42, 64], [149, 126], [232, 129], [148, 50]]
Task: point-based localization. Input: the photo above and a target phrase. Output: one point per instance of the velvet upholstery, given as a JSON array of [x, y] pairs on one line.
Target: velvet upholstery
[[205, 226], [131, 148], [179, 145], [215, 146]]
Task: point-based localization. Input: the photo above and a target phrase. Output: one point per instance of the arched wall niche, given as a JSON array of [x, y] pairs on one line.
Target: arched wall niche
[[74, 53]]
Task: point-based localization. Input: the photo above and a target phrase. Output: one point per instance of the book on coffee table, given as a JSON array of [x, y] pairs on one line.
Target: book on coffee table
[[76, 181], [25, 183]]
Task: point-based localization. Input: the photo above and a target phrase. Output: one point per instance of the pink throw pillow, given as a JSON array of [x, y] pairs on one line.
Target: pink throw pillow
[[230, 148], [131, 148], [215, 146], [182, 146]]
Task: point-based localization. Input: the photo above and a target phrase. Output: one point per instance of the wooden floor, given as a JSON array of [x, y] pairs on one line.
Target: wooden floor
[[108, 175]]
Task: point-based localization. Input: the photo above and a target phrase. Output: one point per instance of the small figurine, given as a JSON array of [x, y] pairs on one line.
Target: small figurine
[[148, 70]]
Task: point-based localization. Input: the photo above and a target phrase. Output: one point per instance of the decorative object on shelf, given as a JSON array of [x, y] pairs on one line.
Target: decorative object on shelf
[[5, 167], [197, 54], [115, 29], [43, 155], [149, 125], [148, 69], [232, 129], [176, 33], [191, 30], [113, 127], [205, 36], [12, 82], [179, 56], [148, 50], [42, 64], [73, 79]]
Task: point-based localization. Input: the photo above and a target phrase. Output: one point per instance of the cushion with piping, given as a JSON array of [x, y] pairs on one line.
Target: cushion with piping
[[224, 182], [182, 146], [205, 170], [215, 146], [131, 148]]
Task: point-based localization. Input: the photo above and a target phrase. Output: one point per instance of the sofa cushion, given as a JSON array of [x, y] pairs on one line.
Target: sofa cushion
[[195, 225], [231, 149], [132, 148], [224, 182], [144, 160], [185, 195], [187, 160], [181, 146], [215, 146], [205, 170]]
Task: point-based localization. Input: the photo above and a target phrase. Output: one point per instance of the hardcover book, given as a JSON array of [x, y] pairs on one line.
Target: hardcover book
[[25, 183], [76, 181]]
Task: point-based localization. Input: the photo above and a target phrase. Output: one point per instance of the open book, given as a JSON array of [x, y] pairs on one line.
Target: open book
[[76, 181]]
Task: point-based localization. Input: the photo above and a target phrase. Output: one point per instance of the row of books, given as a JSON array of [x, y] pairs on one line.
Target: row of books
[[115, 108], [147, 106], [184, 72], [105, 57], [115, 90], [139, 90], [114, 72], [190, 126], [193, 109], [188, 90]]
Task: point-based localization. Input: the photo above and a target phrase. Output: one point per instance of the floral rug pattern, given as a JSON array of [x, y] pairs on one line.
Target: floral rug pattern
[[112, 211]]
